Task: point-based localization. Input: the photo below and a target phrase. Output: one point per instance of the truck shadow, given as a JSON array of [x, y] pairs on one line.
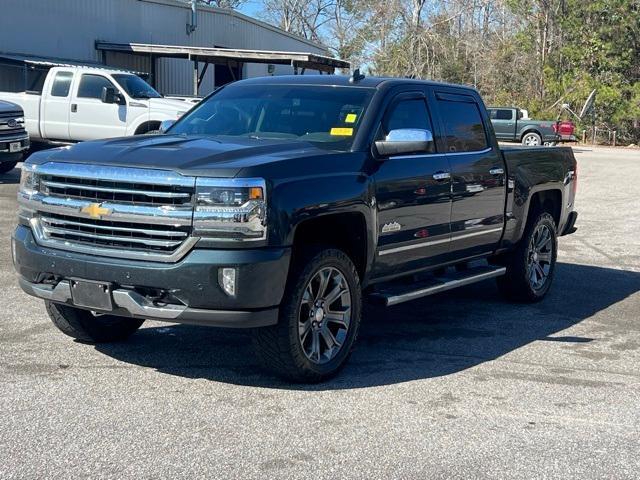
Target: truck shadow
[[432, 337]]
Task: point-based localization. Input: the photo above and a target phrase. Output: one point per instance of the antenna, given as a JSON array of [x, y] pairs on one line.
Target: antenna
[[356, 76]]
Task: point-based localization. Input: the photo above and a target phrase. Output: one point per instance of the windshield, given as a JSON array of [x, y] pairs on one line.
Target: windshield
[[325, 115], [135, 86]]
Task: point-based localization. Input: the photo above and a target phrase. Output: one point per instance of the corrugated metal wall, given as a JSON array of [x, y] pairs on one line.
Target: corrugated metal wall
[[68, 29]]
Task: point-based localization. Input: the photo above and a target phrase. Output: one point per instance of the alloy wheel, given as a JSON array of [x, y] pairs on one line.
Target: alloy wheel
[[539, 256], [324, 315]]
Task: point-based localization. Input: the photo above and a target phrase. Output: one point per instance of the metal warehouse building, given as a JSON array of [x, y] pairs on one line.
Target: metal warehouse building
[[156, 37]]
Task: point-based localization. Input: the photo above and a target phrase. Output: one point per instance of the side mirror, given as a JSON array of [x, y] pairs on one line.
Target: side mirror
[[166, 125], [109, 95], [404, 141]]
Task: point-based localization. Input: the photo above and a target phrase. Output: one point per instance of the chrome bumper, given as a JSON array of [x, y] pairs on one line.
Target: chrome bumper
[[16, 138]]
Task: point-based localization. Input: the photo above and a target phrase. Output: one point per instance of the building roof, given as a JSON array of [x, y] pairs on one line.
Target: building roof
[[302, 60], [59, 62]]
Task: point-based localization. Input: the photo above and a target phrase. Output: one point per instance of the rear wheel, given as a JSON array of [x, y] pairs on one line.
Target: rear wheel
[[530, 268], [7, 166], [83, 325], [531, 139], [319, 319]]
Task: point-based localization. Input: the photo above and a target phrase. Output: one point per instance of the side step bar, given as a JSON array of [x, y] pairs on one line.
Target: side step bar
[[395, 294]]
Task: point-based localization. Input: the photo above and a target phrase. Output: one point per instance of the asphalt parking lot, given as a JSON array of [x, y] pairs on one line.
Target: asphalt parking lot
[[461, 385]]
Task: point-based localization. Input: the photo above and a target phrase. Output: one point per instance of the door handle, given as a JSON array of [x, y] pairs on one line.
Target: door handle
[[74, 107], [497, 171], [441, 176]]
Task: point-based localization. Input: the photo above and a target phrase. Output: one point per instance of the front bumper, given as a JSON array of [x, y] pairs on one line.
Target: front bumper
[[189, 288], [6, 141]]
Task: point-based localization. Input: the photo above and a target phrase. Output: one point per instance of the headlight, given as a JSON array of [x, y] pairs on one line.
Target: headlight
[[29, 180], [230, 209]]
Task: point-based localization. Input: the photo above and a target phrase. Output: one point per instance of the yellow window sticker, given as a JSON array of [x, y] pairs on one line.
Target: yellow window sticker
[[351, 118], [341, 132]]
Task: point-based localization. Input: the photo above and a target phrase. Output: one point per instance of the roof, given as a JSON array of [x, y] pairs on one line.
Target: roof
[[343, 80], [308, 60], [59, 62]]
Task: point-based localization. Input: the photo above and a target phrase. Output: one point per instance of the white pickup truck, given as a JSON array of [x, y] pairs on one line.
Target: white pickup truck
[[85, 103]]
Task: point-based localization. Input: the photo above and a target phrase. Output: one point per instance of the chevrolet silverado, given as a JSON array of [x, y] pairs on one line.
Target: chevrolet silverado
[[280, 204]]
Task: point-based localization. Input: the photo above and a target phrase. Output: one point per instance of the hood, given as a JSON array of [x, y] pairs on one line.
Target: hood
[[168, 105], [8, 107], [189, 155]]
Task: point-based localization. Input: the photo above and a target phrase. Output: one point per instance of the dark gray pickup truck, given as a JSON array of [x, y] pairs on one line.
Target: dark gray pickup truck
[[281, 204], [510, 125], [14, 139]]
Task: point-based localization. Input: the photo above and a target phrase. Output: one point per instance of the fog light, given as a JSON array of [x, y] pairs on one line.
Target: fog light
[[227, 280]]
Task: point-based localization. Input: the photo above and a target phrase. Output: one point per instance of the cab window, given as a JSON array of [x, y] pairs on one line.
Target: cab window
[[462, 122], [91, 86], [410, 113], [61, 84]]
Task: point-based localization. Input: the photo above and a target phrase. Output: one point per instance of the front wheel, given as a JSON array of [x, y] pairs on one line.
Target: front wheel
[[87, 327], [530, 268], [319, 319]]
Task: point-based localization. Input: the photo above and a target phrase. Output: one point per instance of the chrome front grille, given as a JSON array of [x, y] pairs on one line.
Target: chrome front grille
[[104, 233], [9, 124], [112, 211], [97, 190]]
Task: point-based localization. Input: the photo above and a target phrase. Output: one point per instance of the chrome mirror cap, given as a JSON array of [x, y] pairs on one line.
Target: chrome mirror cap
[[409, 135], [405, 141]]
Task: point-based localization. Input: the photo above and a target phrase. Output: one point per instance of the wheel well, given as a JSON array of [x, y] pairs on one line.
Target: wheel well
[[346, 231], [549, 201], [147, 127]]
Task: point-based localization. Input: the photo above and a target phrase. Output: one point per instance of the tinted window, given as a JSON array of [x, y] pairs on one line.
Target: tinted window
[[408, 114], [501, 114], [463, 126], [91, 86], [328, 117], [61, 84]]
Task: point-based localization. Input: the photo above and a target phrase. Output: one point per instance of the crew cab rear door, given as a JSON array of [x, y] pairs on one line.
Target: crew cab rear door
[[56, 104], [477, 173], [413, 193]]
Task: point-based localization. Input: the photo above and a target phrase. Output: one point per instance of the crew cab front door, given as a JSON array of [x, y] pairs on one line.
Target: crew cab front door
[[90, 118], [413, 195]]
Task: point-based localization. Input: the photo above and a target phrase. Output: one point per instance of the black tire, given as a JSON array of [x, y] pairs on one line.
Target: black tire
[[84, 326], [6, 167], [280, 348], [532, 139], [519, 283]]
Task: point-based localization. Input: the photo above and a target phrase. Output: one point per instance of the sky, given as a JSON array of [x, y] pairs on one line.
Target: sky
[[251, 8]]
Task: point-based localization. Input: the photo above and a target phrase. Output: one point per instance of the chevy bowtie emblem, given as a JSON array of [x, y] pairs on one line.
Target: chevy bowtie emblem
[[95, 210]]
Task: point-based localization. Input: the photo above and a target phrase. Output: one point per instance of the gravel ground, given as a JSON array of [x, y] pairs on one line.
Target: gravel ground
[[460, 385]]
